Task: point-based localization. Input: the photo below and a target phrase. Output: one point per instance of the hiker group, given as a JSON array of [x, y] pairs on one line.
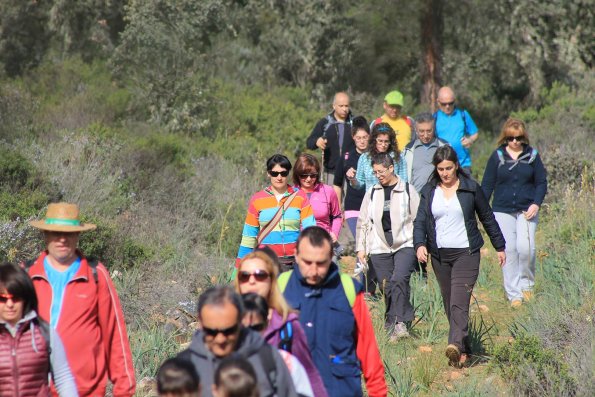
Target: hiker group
[[292, 322]]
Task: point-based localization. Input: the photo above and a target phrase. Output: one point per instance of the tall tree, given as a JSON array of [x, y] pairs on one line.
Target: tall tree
[[431, 43]]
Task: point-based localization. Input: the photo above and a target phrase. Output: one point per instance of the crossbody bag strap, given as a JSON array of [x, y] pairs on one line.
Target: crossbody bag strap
[[275, 220]]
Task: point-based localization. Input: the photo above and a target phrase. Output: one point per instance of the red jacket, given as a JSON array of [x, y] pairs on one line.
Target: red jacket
[[24, 363], [92, 329]]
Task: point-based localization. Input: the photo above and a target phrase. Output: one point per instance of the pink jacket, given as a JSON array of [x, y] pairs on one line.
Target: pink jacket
[[325, 205]]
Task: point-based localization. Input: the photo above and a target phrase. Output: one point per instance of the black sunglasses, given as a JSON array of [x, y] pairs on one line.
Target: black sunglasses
[[259, 275], [275, 174], [306, 176], [447, 103], [5, 297], [226, 332], [258, 327], [512, 138]]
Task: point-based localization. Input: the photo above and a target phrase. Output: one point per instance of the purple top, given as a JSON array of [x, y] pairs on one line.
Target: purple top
[[299, 348]]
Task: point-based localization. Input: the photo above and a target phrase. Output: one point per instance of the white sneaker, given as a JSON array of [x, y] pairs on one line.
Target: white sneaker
[[399, 332]]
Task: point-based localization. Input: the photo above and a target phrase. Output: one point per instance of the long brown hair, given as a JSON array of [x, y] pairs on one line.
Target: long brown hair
[[275, 298], [384, 129]]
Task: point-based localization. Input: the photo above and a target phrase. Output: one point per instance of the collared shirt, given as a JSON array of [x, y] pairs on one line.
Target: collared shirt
[[422, 166], [58, 281]]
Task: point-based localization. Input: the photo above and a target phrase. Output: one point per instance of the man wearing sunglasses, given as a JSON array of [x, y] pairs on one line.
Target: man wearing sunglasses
[[335, 318], [455, 126], [220, 312]]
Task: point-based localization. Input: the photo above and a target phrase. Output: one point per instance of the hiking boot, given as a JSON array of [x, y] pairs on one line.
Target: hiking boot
[[454, 355], [516, 303], [528, 295], [399, 332]]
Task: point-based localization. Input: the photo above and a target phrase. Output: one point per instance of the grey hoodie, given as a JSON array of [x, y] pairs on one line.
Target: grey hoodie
[[249, 345]]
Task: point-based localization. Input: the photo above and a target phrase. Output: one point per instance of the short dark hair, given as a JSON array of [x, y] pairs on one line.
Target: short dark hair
[[359, 123], [236, 376], [383, 159], [218, 296], [16, 281], [425, 117], [278, 159], [178, 376], [255, 303], [316, 236]]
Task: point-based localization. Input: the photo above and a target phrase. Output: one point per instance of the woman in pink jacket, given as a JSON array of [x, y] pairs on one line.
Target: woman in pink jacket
[[323, 199]]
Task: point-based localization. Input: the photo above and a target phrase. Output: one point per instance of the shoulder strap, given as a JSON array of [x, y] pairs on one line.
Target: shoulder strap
[[348, 287], [533, 155], [408, 120], [464, 121], [269, 366], [408, 197], [92, 264], [28, 264], [283, 279], [275, 220], [286, 337], [500, 157]]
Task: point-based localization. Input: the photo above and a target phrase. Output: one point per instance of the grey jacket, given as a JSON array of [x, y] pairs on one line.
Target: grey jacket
[[250, 344]]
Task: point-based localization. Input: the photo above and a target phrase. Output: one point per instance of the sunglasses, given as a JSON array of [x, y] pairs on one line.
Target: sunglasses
[[446, 103], [275, 174], [259, 275], [5, 297], [306, 176], [519, 138], [258, 327], [226, 332]]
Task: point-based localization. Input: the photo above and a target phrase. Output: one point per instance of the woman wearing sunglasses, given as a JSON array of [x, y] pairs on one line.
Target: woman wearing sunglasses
[[382, 140], [323, 198], [516, 176], [276, 215], [36, 345], [258, 274], [256, 311]]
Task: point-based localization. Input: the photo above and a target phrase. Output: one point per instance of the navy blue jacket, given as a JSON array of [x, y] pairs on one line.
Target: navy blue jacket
[[472, 202], [515, 184]]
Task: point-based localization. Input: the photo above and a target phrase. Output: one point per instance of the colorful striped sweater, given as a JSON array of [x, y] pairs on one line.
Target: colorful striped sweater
[[261, 209]]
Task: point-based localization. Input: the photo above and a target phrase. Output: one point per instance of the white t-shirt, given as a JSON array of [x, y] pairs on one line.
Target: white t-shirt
[[450, 223]]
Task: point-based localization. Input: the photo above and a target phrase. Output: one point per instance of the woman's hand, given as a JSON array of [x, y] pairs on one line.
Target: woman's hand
[[501, 258], [361, 257], [531, 211], [333, 237], [350, 174], [422, 254]]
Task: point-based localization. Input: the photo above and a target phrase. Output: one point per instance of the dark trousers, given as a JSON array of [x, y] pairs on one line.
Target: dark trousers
[[393, 271], [457, 270]]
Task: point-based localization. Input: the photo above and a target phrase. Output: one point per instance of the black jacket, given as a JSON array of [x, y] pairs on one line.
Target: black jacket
[[327, 126], [473, 201]]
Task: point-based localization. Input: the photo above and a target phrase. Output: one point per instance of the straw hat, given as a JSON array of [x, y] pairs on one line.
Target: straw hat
[[62, 217]]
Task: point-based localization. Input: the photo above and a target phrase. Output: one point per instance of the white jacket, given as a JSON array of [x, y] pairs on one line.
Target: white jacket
[[403, 208]]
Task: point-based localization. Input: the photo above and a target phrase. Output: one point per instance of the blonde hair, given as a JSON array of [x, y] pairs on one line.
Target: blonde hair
[[275, 299], [513, 125]]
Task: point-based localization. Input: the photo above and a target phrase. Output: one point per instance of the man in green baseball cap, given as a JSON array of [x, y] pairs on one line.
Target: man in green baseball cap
[[393, 104]]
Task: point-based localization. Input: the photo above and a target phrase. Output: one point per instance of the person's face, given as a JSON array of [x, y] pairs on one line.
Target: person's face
[[11, 308], [361, 139], [255, 321], [341, 106], [515, 139], [385, 176], [382, 143], [425, 132], [62, 246], [308, 179], [447, 170], [313, 262], [278, 177], [221, 328], [446, 102], [392, 111], [254, 277]]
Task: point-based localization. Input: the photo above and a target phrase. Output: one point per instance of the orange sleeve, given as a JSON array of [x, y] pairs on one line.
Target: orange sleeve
[[114, 336], [367, 349]]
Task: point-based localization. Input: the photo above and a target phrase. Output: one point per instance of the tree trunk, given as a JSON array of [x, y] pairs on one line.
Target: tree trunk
[[431, 36]]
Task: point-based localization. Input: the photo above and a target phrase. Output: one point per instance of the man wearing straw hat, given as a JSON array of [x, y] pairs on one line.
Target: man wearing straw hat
[[78, 299]]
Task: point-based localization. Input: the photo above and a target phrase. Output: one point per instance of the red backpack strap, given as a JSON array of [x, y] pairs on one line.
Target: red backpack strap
[[408, 120]]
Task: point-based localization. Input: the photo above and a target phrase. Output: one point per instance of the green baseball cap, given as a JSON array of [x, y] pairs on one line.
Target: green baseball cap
[[394, 98]]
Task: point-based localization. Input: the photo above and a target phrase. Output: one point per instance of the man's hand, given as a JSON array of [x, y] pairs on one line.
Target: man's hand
[[422, 254], [467, 142], [501, 258], [321, 143], [531, 211]]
